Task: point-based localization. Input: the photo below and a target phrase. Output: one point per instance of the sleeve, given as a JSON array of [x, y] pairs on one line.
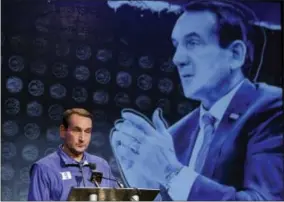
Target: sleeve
[[39, 189], [181, 184], [264, 168]]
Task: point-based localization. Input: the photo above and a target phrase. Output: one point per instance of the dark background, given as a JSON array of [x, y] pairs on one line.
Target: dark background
[[43, 45]]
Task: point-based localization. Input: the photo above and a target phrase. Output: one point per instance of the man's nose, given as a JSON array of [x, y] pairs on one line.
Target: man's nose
[[180, 58], [82, 136]]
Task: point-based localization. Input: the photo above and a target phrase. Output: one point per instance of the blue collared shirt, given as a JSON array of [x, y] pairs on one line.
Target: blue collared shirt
[[53, 176]]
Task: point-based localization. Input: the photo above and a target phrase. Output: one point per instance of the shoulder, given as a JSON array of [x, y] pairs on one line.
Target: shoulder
[[47, 163], [265, 115], [254, 98], [269, 100], [269, 93]]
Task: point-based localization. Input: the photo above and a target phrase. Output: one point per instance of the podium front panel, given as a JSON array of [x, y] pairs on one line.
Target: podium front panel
[[111, 194]]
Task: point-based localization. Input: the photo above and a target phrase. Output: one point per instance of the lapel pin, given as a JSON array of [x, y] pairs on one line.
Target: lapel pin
[[234, 116]]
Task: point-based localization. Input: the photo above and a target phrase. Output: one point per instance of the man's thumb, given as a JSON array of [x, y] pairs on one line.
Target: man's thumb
[[159, 122]]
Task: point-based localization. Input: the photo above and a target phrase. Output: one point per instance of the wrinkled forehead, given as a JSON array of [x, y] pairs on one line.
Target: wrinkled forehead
[[200, 22]]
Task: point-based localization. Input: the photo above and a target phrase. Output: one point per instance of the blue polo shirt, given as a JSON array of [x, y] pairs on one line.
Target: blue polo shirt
[[53, 176]]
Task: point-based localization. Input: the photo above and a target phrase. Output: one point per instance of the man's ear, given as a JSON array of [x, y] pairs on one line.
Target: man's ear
[[238, 52], [62, 131]]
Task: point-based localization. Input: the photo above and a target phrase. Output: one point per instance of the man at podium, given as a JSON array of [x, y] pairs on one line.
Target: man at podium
[[53, 176]]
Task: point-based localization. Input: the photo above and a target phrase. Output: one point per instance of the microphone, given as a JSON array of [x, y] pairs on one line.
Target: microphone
[[98, 176]]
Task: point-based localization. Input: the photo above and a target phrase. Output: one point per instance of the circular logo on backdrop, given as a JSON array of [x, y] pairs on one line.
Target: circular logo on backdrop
[[98, 139], [6, 193], [7, 172], [123, 79], [31, 131], [82, 73], [83, 52], [144, 82], [167, 66], [145, 62], [52, 134], [60, 70], [10, 128], [8, 150], [40, 45], [16, 63], [12, 106], [165, 85], [122, 99], [41, 24], [49, 151], [62, 49], [79, 94], [104, 55], [30, 152], [100, 97], [17, 43], [57, 91], [55, 112], [38, 67], [14, 84], [125, 59], [25, 174], [99, 116], [34, 109], [143, 102], [102, 76], [23, 193], [36, 88]]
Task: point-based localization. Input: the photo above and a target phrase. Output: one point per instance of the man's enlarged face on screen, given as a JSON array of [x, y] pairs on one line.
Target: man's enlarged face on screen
[[202, 64]]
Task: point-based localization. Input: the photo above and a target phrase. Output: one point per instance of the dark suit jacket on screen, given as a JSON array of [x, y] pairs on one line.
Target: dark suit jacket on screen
[[245, 160]]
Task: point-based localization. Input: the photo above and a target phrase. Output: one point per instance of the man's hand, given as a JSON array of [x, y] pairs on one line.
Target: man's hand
[[145, 152]]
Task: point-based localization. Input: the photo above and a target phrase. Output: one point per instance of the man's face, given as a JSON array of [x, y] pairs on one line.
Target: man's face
[[78, 134], [202, 64]]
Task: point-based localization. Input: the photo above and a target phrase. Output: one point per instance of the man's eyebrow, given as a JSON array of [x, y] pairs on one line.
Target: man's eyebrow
[[187, 36], [78, 127], [192, 34]]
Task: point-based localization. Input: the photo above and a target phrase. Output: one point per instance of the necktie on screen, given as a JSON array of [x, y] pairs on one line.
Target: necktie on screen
[[208, 121]]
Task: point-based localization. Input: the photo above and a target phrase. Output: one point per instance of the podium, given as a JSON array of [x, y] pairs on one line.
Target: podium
[[111, 194]]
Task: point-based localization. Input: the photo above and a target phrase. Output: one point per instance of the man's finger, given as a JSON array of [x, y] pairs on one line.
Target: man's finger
[[140, 122], [124, 144], [128, 128], [159, 122]]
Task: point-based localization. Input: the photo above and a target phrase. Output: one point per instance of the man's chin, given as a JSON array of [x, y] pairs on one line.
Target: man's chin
[[79, 150], [189, 94]]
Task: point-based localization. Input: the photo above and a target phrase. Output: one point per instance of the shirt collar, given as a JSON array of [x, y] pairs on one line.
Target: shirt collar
[[67, 160], [219, 108]]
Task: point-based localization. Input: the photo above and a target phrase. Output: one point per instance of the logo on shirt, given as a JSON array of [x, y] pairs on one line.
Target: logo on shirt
[[66, 175]]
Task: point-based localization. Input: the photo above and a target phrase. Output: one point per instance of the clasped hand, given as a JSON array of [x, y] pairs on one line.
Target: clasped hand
[[144, 150]]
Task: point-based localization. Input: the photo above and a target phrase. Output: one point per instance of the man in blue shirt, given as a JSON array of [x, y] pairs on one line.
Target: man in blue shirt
[[53, 176]]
